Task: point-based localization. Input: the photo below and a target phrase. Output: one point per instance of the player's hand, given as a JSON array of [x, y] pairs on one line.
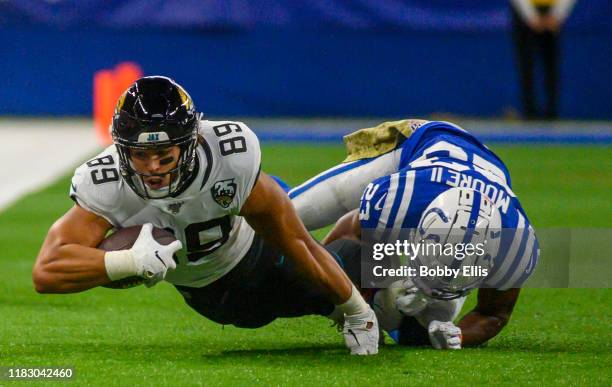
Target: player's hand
[[444, 335], [361, 333], [411, 300], [153, 260]]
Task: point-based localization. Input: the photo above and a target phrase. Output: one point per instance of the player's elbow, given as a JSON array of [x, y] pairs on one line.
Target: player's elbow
[[503, 319], [500, 315], [497, 322], [43, 281]]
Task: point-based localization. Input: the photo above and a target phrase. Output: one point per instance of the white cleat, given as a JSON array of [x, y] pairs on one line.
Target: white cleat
[[361, 333]]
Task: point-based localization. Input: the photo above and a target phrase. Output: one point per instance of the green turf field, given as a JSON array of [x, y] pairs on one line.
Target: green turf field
[[148, 336]]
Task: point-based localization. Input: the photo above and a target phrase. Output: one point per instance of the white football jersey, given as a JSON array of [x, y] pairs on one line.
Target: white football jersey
[[204, 216]]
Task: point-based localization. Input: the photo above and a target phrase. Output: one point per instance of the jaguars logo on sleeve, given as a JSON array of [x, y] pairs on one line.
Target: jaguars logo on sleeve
[[237, 159], [223, 192]]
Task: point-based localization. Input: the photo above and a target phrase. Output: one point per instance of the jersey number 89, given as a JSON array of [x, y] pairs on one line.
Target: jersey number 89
[[103, 175], [235, 144]]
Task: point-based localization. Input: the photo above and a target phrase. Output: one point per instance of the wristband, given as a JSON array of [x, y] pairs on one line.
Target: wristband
[[355, 304], [119, 264]]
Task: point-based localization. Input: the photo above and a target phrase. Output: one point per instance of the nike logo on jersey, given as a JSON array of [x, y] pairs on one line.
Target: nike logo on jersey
[[379, 203]]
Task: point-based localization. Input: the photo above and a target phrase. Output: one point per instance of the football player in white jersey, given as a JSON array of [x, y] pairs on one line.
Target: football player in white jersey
[[403, 174], [242, 257]]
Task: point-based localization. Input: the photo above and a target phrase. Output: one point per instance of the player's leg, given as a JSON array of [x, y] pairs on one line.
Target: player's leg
[[241, 297], [550, 56], [524, 41], [323, 199], [262, 287], [265, 285]]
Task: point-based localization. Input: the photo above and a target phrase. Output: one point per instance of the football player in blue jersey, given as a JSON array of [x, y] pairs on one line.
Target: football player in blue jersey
[[438, 179]]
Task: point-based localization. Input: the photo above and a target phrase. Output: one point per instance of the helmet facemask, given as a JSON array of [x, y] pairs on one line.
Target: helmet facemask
[[179, 175]]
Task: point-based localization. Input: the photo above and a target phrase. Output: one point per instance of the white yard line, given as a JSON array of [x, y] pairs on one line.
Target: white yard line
[[35, 153]]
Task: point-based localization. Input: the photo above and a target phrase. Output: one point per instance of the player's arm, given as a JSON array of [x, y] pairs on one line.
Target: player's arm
[[488, 318], [347, 227], [68, 261], [270, 212]]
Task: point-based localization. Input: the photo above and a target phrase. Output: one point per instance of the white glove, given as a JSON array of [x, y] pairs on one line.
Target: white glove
[[153, 260], [411, 300], [361, 333], [444, 335]]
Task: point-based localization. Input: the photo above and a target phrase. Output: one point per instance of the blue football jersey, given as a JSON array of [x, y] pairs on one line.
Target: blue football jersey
[[437, 157], [431, 138]]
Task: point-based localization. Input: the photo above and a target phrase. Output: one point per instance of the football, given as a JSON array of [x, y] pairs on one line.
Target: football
[[123, 239]]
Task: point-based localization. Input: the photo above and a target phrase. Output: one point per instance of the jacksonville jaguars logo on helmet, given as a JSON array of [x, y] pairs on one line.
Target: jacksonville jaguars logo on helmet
[[223, 191]]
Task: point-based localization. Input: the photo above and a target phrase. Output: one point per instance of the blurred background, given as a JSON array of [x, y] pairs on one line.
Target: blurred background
[[304, 70], [268, 58]]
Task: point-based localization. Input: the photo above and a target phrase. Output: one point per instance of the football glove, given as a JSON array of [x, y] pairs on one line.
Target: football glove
[[152, 259], [444, 335], [411, 300], [361, 333]]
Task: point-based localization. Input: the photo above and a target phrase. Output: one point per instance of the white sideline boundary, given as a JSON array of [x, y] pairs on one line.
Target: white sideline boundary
[[36, 152]]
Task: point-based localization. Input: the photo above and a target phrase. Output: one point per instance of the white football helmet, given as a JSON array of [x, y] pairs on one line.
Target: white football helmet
[[453, 221]]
